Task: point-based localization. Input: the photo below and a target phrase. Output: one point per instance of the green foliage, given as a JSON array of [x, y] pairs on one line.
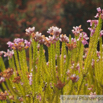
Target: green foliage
[[55, 76]]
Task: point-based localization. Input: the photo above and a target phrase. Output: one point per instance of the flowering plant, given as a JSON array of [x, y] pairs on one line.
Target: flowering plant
[[64, 68]]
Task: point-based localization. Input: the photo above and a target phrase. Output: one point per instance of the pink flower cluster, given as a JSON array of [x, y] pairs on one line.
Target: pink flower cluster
[[18, 44], [41, 39], [72, 44], [76, 30], [56, 35], [83, 38], [38, 37], [54, 31], [100, 13], [9, 53], [73, 40], [93, 24], [64, 38], [29, 31], [74, 78]]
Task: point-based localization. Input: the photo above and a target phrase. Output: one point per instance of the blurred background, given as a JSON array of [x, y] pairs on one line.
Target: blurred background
[[17, 15]]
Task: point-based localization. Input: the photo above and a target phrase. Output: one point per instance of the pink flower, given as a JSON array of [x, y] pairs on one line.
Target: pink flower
[[86, 84], [53, 39], [92, 31], [9, 53], [10, 44], [39, 97], [74, 78], [84, 42], [27, 43], [21, 83], [50, 30], [68, 72], [41, 41], [2, 79], [18, 40], [98, 54], [73, 40], [47, 42], [90, 88], [97, 15], [102, 16], [83, 38], [47, 63], [18, 44], [76, 30], [30, 79], [95, 22], [38, 46], [54, 31], [92, 95], [15, 43], [78, 67], [100, 12], [38, 37], [64, 38], [30, 30], [64, 57], [101, 33], [57, 31], [99, 9]]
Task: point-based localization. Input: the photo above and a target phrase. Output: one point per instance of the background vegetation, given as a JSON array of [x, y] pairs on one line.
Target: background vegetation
[[16, 15]]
